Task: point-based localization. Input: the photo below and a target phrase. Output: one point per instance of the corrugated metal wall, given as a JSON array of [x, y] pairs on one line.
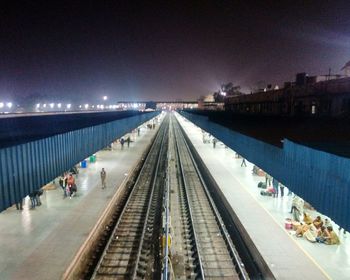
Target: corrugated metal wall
[[320, 178], [27, 167]]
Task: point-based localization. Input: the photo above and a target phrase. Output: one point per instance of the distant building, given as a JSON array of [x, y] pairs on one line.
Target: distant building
[[316, 96]]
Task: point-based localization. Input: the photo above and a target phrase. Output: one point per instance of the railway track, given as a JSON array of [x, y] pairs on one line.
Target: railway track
[[210, 253], [195, 242], [132, 250]]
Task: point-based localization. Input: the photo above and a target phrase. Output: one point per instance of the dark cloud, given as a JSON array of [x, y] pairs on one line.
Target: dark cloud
[[167, 50]]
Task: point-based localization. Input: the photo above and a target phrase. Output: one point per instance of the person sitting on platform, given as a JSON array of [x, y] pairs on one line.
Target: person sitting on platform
[[333, 238], [318, 222], [307, 218], [301, 230], [311, 233], [322, 235]]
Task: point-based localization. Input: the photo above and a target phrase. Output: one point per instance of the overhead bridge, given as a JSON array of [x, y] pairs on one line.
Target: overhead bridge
[[36, 148]]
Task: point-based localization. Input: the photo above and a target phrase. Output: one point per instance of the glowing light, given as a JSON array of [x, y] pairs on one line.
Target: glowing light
[[105, 97], [1, 104], [102, 106], [59, 105], [38, 105], [86, 106], [9, 104], [69, 105], [52, 105]]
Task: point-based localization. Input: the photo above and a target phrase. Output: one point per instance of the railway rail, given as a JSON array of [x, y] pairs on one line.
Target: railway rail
[[209, 245], [130, 252]]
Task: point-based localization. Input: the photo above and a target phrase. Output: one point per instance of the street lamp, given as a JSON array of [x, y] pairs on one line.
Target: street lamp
[[105, 97]]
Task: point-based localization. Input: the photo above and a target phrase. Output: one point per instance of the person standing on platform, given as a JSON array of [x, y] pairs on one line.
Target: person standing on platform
[[243, 163], [62, 183], [19, 204], [138, 131], [71, 184], [282, 189], [128, 141], [267, 179], [32, 197], [214, 142], [103, 175], [122, 142], [275, 184]]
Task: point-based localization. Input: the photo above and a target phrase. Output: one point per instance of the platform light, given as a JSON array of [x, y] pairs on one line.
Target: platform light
[[38, 105], [9, 104], [93, 106], [52, 105], [44, 105], [102, 106], [98, 106], [69, 105], [105, 97], [59, 105], [80, 106], [86, 106], [134, 105], [1, 104]]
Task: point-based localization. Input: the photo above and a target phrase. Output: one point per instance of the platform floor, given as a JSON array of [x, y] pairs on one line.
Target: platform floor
[[40, 243], [263, 217]]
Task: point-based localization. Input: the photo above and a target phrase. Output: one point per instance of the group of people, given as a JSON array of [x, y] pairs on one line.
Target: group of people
[[316, 230], [68, 185], [272, 187], [123, 141]]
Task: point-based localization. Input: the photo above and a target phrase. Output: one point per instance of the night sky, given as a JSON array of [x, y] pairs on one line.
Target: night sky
[[177, 50]]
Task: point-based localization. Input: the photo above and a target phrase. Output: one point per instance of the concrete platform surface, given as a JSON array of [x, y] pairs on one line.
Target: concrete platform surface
[[41, 243], [263, 217]]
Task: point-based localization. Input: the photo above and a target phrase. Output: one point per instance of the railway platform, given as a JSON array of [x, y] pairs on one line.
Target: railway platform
[[263, 218], [41, 243]]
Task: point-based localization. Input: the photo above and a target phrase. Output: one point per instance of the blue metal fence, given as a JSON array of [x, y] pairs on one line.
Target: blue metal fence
[[320, 178], [27, 167]]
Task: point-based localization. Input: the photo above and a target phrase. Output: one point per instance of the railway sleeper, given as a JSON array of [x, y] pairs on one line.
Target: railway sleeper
[[123, 244], [219, 264], [122, 250], [220, 272], [117, 271], [115, 263], [215, 251]]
